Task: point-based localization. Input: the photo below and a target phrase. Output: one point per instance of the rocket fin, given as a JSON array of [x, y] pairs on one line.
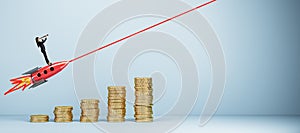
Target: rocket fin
[[38, 83], [31, 71]]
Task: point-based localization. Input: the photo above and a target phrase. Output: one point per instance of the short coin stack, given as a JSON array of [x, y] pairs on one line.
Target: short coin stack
[[143, 100], [63, 114], [39, 118], [89, 110], [116, 104]]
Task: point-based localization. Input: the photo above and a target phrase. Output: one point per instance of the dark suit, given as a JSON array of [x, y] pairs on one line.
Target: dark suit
[[43, 49]]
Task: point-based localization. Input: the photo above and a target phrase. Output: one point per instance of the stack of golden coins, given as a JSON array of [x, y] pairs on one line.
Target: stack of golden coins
[[116, 104], [63, 114], [143, 100], [89, 110], [39, 118]]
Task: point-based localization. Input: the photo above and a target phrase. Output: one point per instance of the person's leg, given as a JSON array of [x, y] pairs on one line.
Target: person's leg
[[45, 56]]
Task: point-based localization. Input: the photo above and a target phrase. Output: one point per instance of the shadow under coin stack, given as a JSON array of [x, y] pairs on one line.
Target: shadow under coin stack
[[116, 104], [143, 100], [63, 114], [39, 118], [89, 110]]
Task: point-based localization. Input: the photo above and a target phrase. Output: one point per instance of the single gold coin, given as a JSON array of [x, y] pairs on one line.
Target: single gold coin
[[143, 89], [117, 111], [115, 119], [39, 116], [88, 119], [89, 107], [57, 118], [144, 97], [90, 111], [117, 92], [89, 104], [143, 109], [117, 95], [143, 86], [64, 115], [116, 106], [89, 101], [39, 120], [143, 94], [89, 114], [116, 115], [116, 88], [62, 120], [143, 103], [143, 80], [143, 115], [116, 100], [144, 120], [142, 106], [147, 85], [64, 107], [137, 101], [63, 110]]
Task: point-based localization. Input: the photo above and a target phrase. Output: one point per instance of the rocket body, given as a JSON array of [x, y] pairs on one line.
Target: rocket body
[[48, 71]]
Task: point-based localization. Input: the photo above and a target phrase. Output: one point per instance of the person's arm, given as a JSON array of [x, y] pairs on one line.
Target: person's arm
[[45, 36], [44, 40]]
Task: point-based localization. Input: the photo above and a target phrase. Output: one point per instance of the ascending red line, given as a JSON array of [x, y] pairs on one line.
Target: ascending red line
[[141, 31]]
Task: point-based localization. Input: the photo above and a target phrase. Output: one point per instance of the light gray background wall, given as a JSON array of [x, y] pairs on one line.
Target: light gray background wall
[[260, 41]]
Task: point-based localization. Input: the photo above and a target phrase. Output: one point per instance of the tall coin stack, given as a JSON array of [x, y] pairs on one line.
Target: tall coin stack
[[116, 104], [63, 114], [143, 100], [89, 110], [39, 118]]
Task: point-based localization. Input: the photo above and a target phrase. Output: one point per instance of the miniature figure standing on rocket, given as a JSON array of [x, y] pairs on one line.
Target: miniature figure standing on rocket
[[40, 43]]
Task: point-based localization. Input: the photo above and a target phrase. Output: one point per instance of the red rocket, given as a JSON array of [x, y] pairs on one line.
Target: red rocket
[[36, 76]]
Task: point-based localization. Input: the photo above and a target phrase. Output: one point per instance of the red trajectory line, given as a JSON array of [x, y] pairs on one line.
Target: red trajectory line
[[38, 76], [141, 31]]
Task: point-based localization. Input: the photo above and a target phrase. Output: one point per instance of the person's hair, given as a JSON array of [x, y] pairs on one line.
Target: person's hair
[[37, 41]]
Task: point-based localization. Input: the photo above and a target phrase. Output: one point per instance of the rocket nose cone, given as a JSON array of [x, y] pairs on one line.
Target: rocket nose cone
[[60, 65]]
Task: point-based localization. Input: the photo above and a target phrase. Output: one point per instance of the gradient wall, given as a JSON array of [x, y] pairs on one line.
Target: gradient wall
[[260, 40]]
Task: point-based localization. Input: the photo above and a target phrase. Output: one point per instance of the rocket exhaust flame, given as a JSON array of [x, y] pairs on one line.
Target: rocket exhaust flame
[[20, 82]]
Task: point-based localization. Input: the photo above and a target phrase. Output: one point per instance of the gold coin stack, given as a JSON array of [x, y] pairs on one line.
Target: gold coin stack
[[89, 110], [143, 101], [116, 104], [63, 114], [39, 118]]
